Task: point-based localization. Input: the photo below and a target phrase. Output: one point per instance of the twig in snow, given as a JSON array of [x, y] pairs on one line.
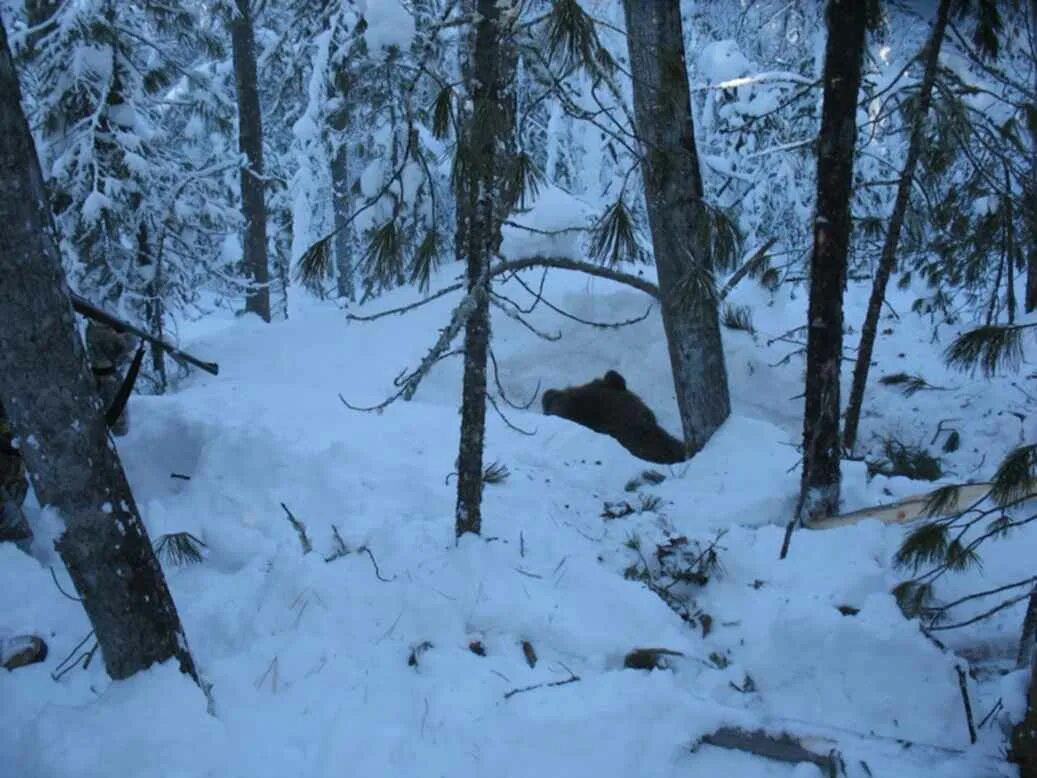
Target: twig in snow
[[377, 572], [66, 664], [787, 540], [341, 549], [571, 679], [963, 685], [993, 712], [503, 394], [304, 539], [55, 579]]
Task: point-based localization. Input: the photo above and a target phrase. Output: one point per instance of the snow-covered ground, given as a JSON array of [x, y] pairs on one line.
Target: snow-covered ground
[[309, 659]]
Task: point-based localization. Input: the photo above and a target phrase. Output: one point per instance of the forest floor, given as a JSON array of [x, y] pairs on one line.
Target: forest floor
[[309, 659]]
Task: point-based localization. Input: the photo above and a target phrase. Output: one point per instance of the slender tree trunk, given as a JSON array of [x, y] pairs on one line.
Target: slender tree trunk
[[1009, 249], [341, 199], [819, 491], [48, 392], [888, 258], [487, 65], [1024, 736], [1031, 213], [250, 143], [676, 213]]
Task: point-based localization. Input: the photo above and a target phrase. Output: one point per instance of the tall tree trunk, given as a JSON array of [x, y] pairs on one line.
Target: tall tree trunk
[[250, 143], [49, 394], [1031, 216], [341, 200], [888, 258], [486, 65], [676, 212], [819, 491]]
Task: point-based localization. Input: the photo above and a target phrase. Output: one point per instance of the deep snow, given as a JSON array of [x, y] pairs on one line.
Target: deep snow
[[309, 660]]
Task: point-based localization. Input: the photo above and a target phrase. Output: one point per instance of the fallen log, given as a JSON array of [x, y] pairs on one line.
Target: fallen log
[[905, 510]]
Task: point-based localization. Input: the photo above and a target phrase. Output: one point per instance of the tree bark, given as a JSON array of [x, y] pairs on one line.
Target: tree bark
[[888, 258], [1024, 736], [1031, 216], [250, 143], [674, 197], [48, 392], [819, 490], [341, 205], [480, 210], [341, 199]]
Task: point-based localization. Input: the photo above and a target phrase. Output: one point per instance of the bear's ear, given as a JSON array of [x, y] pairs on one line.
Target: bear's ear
[[614, 380]]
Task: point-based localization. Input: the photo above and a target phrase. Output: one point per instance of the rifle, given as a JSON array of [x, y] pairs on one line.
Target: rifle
[[86, 308]]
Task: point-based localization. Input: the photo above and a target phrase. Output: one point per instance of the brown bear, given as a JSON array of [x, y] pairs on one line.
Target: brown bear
[[605, 405]]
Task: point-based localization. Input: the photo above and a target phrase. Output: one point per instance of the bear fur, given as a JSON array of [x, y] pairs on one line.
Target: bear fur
[[605, 405]]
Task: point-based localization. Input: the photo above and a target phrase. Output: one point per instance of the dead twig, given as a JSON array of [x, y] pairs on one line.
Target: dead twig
[[571, 679], [747, 267], [963, 685], [377, 572], [300, 528]]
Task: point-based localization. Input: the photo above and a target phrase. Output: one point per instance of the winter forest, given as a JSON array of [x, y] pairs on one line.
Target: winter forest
[[518, 387]]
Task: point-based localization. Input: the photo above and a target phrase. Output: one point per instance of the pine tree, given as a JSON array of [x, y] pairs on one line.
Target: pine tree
[[819, 491], [119, 94], [72, 462]]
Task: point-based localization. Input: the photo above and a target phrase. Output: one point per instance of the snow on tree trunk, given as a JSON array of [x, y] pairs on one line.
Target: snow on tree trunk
[[486, 64], [673, 194], [250, 143], [819, 491], [48, 392], [341, 202], [888, 257]]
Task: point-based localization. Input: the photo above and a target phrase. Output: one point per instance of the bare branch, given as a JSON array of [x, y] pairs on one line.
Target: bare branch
[[747, 267], [564, 263]]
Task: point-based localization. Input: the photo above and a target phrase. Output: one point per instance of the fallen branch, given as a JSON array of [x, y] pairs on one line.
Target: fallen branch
[[779, 748], [86, 308], [564, 263], [963, 685], [377, 572], [571, 679], [747, 267], [304, 539]]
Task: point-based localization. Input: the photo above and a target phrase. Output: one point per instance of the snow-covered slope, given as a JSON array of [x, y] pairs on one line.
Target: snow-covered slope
[[309, 659]]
